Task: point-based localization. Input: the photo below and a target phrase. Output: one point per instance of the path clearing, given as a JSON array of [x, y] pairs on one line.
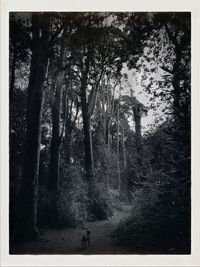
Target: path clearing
[[68, 241]]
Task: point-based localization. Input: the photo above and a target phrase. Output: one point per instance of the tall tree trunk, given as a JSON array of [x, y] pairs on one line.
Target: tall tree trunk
[[70, 125], [27, 220], [110, 110], [107, 137], [118, 165], [137, 119], [89, 163], [176, 85], [54, 169], [124, 184], [68, 133], [13, 66], [123, 149]]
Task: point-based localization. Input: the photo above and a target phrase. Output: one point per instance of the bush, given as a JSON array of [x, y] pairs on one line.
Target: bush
[[78, 200], [99, 201], [160, 221], [68, 208]]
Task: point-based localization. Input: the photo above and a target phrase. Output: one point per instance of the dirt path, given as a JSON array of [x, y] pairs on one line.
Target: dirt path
[[61, 241]]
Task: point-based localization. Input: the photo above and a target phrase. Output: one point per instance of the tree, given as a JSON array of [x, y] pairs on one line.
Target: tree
[[57, 132], [132, 106], [167, 55], [27, 221], [92, 52], [118, 163], [72, 112]]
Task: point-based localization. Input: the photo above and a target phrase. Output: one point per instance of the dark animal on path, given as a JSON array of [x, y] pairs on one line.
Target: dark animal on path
[[85, 240]]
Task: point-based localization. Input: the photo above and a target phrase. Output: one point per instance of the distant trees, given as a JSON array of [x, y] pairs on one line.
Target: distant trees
[[83, 53]]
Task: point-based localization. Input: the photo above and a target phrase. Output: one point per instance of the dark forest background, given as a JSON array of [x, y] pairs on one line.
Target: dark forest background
[[78, 151]]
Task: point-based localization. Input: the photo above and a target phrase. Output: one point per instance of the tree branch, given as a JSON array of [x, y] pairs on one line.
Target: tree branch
[[167, 70], [54, 36], [95, 93]]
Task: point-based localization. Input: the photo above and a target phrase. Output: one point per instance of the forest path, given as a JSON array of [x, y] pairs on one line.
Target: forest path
[[68, 241]]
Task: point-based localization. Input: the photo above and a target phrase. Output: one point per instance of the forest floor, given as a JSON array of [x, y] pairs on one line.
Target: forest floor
[[68, 241]]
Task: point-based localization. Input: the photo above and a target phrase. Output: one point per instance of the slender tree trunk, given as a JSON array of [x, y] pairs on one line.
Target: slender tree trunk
[[176, 85], [54, 169], [68, 133], [108, 132], [124, 184], [110, 109], [123, 149], [12, 78], [55, 156], [89, 163], [137, 119], [70, 125], [118, 165], [68, 138], [27, 220]]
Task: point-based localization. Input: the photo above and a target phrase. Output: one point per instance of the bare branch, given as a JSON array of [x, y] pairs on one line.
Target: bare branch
[[167, 70]]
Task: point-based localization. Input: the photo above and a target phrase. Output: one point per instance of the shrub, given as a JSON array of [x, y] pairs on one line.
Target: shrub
[[67, 208], [160, 221], [99, 201]]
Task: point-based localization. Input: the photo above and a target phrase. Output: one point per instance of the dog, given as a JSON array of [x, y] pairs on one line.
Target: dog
[[86, 240]]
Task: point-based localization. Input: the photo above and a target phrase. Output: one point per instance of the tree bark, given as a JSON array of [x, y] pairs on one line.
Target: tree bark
[[109, 115], [70, 125], [137, 119], [124, 150], [89, 163], [68, 131], [54, 169], [124, 184], [27, 220], [12, 78], [107, 134], [118, 164], [68, 146]]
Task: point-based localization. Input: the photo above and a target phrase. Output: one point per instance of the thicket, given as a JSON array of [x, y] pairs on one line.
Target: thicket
[[161, 215]]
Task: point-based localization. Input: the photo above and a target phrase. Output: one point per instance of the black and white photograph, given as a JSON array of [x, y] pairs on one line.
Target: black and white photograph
[[100, 133]]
